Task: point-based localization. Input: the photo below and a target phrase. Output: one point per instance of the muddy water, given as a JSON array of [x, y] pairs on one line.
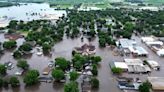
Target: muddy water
[[64, 49]]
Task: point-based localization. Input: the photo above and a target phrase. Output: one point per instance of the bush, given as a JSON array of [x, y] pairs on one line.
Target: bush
[[17, 54], [117, 70], [23, 64], [145, 87], [71, 87], [94, 70], [73, 75], [31, 77], [25, 47], [62, 63], [9, 44], [14, 81], [95, 83], [58, 75], [3, 69]]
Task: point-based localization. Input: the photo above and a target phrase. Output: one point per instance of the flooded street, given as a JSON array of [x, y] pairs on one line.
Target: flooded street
[[64, 48]]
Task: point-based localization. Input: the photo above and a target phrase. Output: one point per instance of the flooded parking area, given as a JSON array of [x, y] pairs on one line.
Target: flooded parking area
[[64, 48]]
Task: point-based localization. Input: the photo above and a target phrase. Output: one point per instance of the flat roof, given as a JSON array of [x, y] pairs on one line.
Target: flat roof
[[160, 52], [125, 43], [133, 61], [154, 43], [157, 83], [147, 39], [122, 65], [138, 49]]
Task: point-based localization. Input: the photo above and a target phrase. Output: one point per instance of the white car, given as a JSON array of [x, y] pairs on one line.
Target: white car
[[19, 72], [39, 51]]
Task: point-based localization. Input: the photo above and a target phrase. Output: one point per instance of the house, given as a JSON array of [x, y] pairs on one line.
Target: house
[[137, 66], [85, 49], [125, 43], [138, 51], [154, 43], [13, 36], [121, 65], [148, 39], [157, 83]]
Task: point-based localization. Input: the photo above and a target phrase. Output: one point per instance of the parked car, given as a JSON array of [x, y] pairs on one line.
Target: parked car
[[51, 64], [9, 65], [19, 72], [39, 51]]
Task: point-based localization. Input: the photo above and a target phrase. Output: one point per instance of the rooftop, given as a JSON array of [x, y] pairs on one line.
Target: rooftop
[[157, 83]]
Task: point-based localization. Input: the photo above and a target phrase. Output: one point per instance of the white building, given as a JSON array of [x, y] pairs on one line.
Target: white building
[[153, 64]]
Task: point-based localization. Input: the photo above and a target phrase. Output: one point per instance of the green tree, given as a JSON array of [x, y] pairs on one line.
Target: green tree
[[13, 24], [62, 63], [23, 64], [71, 87], [57, 74], [94, 70], [102, 42], [145, 87], [25, 47], [46, 48], [14, 81], [94, 82], [9, 44], [116, 70], [96, 59], [31, 77], [73, 75], [17, 54], [3, 69]]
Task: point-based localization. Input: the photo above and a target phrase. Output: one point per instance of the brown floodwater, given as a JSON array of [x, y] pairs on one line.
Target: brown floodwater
[[64, 48]]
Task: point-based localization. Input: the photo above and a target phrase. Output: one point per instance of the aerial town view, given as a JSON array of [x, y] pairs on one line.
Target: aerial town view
[[81, 45]]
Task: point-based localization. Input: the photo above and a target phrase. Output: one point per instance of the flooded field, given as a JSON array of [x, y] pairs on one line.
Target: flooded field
[[64, 49], [28, 12]]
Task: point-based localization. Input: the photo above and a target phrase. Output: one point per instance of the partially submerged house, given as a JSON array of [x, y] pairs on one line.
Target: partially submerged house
[[154, 45], [138, 51], [130, 47], [13, 36], [137, 66], [121, 65], [85, 49]]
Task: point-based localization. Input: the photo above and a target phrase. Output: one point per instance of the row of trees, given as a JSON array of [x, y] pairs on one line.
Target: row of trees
[[13, 81]]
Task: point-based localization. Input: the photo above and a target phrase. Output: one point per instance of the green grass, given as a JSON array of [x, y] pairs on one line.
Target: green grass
[[61, 6], [156, 2]]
